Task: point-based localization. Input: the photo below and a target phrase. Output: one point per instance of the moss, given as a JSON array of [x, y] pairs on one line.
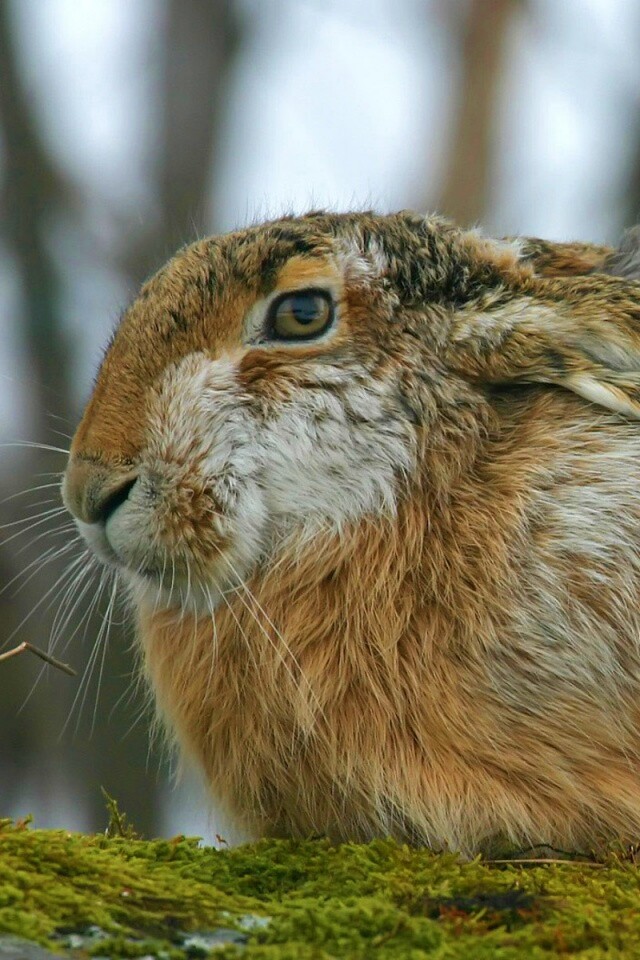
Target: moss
[[322, 901]]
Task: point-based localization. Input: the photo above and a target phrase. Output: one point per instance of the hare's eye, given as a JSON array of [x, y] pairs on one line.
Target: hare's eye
[[300, 316]]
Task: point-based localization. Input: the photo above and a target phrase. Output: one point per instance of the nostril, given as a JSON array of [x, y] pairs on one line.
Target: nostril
[[114, 499], [92, 491]]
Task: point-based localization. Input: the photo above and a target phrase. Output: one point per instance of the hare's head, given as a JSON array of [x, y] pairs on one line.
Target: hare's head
[[294, 376]]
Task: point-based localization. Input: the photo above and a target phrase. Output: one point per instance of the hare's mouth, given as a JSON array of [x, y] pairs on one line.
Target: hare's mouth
[[175, 577], [176, 544]]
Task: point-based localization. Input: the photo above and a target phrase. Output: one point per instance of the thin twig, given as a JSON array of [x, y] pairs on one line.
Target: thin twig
[[25, 645]]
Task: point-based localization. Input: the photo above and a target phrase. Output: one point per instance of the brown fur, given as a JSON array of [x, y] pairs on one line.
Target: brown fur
[[469, 668]]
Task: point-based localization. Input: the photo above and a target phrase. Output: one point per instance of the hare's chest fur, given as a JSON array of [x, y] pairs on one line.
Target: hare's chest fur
[[444, 679]]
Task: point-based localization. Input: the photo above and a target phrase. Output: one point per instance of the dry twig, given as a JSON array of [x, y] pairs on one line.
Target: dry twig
[[39, 653]]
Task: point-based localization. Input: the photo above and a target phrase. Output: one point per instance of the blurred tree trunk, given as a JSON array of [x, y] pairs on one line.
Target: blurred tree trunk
[[485, 32], [32, 193], [202, 40], [35, 197]]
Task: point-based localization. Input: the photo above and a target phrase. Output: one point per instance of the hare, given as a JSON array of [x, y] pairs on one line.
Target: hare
[[371, 485]]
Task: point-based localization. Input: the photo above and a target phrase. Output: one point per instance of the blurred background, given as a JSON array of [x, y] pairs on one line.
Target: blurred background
[[130, 127]]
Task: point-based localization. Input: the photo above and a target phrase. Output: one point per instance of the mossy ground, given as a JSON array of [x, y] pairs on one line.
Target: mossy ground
[[379, 900]]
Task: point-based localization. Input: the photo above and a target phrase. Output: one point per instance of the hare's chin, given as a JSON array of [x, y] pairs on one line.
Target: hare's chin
[[154, 576], [180, 593], [94, 535]]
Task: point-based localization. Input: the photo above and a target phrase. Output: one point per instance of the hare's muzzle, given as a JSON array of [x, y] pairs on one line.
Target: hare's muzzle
[[92, 492]]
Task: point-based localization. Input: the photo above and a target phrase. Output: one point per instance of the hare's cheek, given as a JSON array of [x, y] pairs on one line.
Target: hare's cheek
[[336, 459]]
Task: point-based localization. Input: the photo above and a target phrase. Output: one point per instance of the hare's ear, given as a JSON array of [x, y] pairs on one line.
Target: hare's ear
[[550, 259], [581, 334], [625, 261]]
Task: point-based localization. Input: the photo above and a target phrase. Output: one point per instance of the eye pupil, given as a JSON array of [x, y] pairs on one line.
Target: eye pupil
[[305, 309]]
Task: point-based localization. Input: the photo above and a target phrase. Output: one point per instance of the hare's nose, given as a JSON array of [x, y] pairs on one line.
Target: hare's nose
[[93, 492]]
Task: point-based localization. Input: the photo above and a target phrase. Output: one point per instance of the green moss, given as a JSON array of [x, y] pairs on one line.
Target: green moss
[[352, 901]]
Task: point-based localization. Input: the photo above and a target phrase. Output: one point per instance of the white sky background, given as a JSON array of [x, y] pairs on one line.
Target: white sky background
[[338, 103]]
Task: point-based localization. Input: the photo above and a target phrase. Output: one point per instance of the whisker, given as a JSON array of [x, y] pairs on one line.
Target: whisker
[[47, 532], [51, 473], [105, 640], [50, 511], [65, 529], [57, 416], [297, 683], [241, 585], [130, 695], [183, 609], [67, 572], [86, 618], [67, 608], [22, 493], [173, 578], [159, 591], [53, 553], [137, 695], [215, 635], [44, 514], [61, 433], [85, 621], [81, 696], [76, 577], [251, 652], [81, 693], [194, 643], [34, 445], [41, 503]]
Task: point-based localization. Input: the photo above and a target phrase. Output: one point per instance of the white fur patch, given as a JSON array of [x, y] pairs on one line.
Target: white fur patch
[[335, 456]]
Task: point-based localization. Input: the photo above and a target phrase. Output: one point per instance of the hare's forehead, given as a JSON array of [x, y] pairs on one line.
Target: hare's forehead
[[203, 300]]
